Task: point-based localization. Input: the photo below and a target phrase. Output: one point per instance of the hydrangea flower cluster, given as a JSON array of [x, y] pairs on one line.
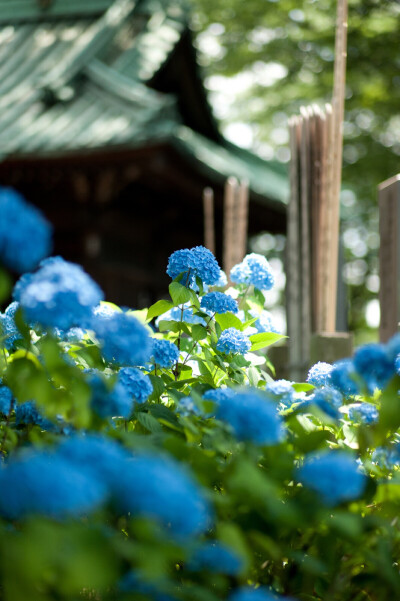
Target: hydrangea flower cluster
[[136, 383], [187, 406], [334, 475], [373, 364], [132, 582], [59, 295], [219, 394], [320, 374], [25, 235], [328, 399], [8, 326], [259, 594], [28, 414], [387, 457], [216, 557], [160, 488], [124, 339], [233, 341], [45, 483], [218, 302], [281, 391], [252, 417], [192, 263], [344, 377], [109, 400], [181, 313], [6, 399], [253, 270], [164, 353], [365, 413]]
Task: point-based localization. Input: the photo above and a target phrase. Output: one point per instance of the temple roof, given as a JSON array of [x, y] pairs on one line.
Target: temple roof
[[81, 77]]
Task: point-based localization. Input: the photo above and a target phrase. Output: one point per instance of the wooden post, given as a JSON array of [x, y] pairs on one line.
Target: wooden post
[[336, 135], [209, 230], [389, 256], [229, 224], [242, 209], [293, 263]]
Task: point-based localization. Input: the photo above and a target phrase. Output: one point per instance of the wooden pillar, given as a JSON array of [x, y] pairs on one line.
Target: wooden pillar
[[389, 256]]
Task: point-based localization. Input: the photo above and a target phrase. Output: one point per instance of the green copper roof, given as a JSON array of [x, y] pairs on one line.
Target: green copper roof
[[74, 75]]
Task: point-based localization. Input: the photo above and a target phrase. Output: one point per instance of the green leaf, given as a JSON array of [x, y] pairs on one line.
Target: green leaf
[[158, 387], [259, 341], [173, 326], [303, 387], [199, 332], [149, 422], [5, 285], [160, 307], [228, 320], [179, 294]]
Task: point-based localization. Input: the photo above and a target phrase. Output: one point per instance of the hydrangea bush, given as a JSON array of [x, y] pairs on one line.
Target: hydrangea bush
[[151, 455]]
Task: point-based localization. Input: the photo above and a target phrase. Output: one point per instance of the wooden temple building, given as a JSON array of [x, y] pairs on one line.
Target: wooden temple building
[[105, 125]]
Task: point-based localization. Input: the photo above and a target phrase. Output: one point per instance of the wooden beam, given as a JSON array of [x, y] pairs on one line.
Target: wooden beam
[[389, 256], [209, 229]]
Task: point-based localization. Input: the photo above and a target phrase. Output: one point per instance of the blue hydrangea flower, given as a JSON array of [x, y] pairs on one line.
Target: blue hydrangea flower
[[8, 326], [72, 335], [328, 399], [195, 262], [109, 401], [187, 406], [264, 323], [344, 377], [281, 391], [252, 417], [262, 593], [28, 414], [320, 374], [233, 341], [164, 353], [253, 270], [334, 475], [219, 394], [97, 452], [222, 280], [6, 399], [365, 413], [25, 235], [387, 457], [160, 488], [136, 383], [218, 302], [176, 314], [397, 365], [59, 295], [393, 347], [132, 582], [373, 364], [124, 339], [47, 484], [216, 557]]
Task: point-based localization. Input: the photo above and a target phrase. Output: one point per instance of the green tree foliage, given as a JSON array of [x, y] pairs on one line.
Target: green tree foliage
[[284, 51]]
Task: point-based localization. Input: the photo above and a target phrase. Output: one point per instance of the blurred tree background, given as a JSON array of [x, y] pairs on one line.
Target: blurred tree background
[[263, 59]]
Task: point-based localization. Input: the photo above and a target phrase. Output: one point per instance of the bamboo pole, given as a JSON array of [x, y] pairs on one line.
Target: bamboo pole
[[209, 229]]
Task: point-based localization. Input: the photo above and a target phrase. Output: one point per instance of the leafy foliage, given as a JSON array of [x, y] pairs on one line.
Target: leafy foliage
[[194, 479]]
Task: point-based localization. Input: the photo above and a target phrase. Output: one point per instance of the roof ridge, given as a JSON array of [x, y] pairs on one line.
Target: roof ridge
[[16, 11], [92, 41]]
